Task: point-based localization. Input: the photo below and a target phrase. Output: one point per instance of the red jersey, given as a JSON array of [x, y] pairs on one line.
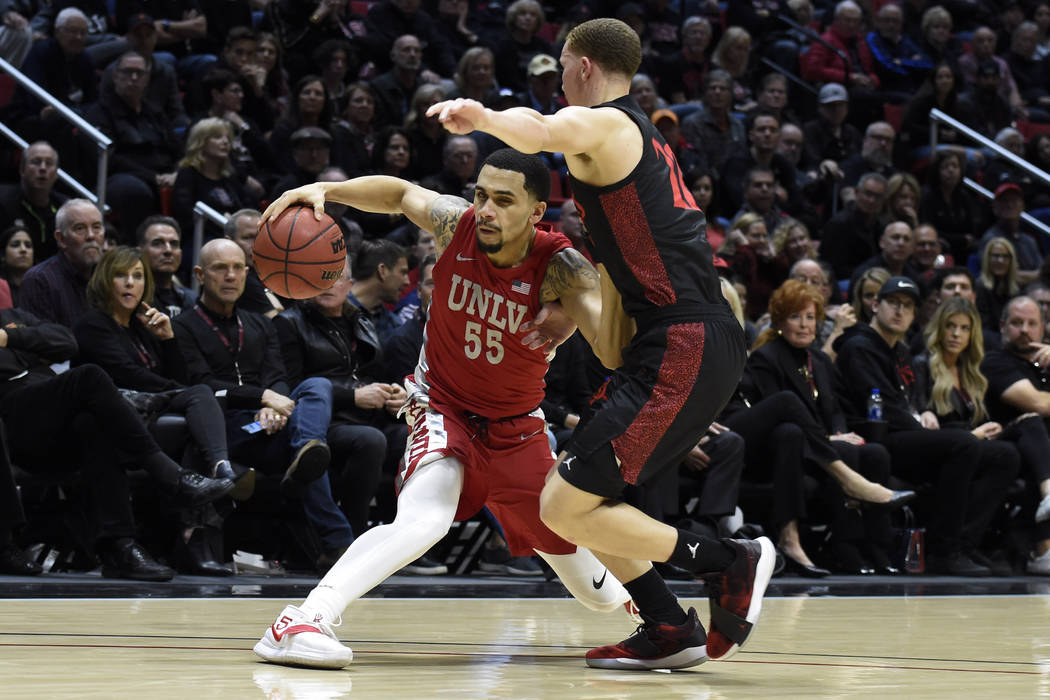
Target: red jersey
[[472, 358]]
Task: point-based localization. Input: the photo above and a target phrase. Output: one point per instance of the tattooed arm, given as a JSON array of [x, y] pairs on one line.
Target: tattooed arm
[[573, 282], [379, 194]]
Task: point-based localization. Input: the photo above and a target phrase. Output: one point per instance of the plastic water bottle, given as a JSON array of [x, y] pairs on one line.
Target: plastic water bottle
[[875, 405]]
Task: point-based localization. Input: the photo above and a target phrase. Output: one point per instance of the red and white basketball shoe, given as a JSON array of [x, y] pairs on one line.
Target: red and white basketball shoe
[[296, 640], [736, 595]]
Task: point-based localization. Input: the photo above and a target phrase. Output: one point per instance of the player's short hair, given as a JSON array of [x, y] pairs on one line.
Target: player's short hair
[[140, 232], [372, 254], [610, 43], [537, 176]]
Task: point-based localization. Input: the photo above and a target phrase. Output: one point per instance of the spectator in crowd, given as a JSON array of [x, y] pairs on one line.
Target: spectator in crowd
[[242, 227], [309, 108], [902, 199], [458, 25], [990, 112], [643, 90], [1007, 206], [829, 140], [947, 204], [520, 43], [268, 55], [1000, 171], [763, 134], [55, 290], [836, 318], [950, 386], [937, 40], [998, 282], [713, 129], [1018, 398], [864, 291], [1029, 71], [249, 149], [460, 167], [77, 422], [33, 201], [311, 148], [897, 61], [162, 87], [772, 96], [299, 31], [842, 64], [544, 80], [389, 20], [733, 55], [927, 252], [335, 61], [666, 122], [1041, 17], [394, 89], [16, 257], [178, 23], [475, 76], [896, 245], [750, 255], [876, 156], [382, 278], [968, 488], [850, 237], [207, 175], [792, 242], [982, 42], [238, 56], [760, 187], [145, 148], [701, 182], [680, 75], [784, 360], [328, 337], [238, 352], [401, 349], [160, 240], [356, 130], [940, 91], [427, 138], [59, 66], [16, 35]]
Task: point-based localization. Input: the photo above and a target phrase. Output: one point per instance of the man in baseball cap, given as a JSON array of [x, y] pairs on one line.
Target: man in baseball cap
[[543, 76]]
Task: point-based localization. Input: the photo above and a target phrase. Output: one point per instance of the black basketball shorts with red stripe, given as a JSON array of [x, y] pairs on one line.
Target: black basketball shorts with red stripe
[[676, 379]]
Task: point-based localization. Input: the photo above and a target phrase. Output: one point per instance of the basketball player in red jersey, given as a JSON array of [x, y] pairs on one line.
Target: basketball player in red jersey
[[683, 359], [478, 437]]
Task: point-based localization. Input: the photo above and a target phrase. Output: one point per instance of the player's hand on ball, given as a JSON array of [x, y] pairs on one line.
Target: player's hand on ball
[[459, 116], [551, 327], [312, 195]]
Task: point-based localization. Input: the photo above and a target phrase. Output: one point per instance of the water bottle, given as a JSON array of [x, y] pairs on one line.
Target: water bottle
[[875, 405]]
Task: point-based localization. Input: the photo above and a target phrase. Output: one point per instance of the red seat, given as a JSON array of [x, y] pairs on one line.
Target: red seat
[[894, 115], [7, 88], [166, 197], [1030, 129]]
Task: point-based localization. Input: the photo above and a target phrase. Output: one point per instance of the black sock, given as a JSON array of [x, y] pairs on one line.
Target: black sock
[[700, 554], [654, 599]]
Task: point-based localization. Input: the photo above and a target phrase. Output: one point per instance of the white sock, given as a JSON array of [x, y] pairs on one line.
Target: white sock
[[579, 572], [425, 509]]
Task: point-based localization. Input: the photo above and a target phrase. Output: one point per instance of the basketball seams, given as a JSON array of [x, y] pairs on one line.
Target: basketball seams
[[286, 272]]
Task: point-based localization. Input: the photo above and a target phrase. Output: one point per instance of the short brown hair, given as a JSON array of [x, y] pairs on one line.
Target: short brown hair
[[116, 261], [610, 43]]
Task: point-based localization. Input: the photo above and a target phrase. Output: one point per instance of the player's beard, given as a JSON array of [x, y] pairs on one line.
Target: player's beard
[[490, 248]]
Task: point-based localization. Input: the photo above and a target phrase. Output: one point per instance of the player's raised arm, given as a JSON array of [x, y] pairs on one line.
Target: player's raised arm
[[570, 130]]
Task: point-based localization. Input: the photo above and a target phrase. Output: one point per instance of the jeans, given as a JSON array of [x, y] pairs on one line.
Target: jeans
[[312, 414]]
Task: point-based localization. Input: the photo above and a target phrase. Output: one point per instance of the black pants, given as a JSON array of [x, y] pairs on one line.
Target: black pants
[[78, 421], [873, 462], [970, 478], [205, 421], [11, 513], [781, 436], [1032, 441], [358, 452]]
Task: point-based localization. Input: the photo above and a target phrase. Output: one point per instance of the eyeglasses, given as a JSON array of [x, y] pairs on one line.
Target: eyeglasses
[[900, 304], [132, 72], [1000, 256]]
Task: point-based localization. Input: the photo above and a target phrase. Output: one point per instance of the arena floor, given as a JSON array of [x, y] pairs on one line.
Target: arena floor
[[81, 636]]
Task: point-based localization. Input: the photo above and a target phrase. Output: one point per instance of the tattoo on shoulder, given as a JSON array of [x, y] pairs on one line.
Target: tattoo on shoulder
[[567, 270], [445, 213]]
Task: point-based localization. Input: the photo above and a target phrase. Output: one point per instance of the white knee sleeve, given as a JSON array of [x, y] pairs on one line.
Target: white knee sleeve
[[588, 580]]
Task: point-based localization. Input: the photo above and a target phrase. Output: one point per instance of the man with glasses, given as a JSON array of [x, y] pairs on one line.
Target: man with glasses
[[460, 156], [928, 251], [850, 236], [967, 488]]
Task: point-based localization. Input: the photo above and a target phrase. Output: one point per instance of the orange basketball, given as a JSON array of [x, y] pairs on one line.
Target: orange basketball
[[298, 256]]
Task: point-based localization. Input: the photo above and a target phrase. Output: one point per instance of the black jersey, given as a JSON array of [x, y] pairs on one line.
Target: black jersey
[[647, 230]]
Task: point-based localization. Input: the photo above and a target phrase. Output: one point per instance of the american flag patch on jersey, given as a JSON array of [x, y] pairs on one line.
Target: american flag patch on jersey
[[520, 287]]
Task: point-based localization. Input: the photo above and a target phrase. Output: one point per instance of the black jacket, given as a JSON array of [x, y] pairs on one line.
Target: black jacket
[[313, 345], [32, 346], [777, 366], [865, 362], [133, 357], [209, 361]]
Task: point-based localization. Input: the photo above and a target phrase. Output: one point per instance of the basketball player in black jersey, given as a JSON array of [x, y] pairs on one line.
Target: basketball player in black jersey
[[683, 352]]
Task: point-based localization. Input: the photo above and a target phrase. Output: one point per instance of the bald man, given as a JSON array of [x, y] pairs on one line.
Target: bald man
[[270, 425]]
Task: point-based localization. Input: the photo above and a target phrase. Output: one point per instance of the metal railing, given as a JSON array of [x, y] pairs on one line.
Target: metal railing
[[1025, 216], [202, 211], [102, 142]]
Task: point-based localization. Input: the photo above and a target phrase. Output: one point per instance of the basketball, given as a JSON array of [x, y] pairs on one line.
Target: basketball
[[298, 256]]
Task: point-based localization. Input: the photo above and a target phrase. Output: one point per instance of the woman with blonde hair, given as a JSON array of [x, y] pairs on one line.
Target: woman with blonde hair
[[865, 290], [997, 283], [902, 199], [206, 174], [792, 242], [790, 418], [750, 254], [733, 54]]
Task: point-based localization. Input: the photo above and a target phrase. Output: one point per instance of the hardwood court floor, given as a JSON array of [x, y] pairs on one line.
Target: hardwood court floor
[[974, 647]]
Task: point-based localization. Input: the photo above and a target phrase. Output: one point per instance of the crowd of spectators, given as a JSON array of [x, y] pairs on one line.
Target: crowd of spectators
[[855, 250]]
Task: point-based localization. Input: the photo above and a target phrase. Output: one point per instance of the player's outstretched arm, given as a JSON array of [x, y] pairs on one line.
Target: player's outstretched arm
[[570, 130]]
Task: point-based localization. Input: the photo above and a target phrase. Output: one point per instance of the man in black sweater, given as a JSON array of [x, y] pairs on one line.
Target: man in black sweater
[[967, 489]]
